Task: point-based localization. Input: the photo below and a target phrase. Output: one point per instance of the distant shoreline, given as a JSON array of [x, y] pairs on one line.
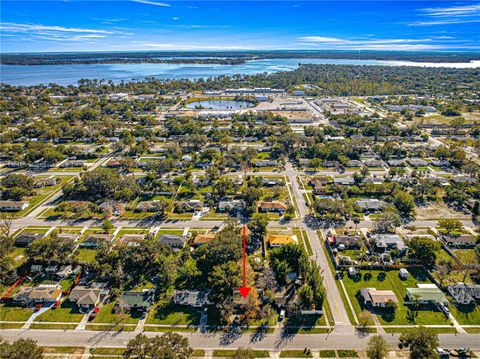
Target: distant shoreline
[[226, 58]]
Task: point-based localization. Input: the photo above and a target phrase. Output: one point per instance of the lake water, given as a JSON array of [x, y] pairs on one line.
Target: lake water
[[220, 104], [70, 74]]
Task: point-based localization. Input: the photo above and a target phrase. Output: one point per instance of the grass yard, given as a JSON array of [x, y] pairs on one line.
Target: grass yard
[[107, 315], [441, 330], [86, 255], [295, 354], [305, 324], [466, 256], [466, 314], [18, 255], [66, 312], [390, 280], [166, 312], [47, 326], [14, 314], [328, 354]]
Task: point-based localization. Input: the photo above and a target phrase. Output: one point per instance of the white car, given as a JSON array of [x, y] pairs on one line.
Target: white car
[[281, 317]]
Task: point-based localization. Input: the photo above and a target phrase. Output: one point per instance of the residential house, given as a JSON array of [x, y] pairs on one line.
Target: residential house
[[148, 206], [278, 240], [25, 238], [330, 164], [173, 241], [189, 206], [72, 164], [135, 301], [461, 241], [42, 294], [426, 294], [67, 237], [228, 206], [192, 298], [374, 163], [95, 240], [13, 206], [86, 297], [377, 298], [271, 182], [44, 182], [354, 163], [346, 241], [396, 163], [345, 181], [132, 239], [272, 206], [386, 242], [463, 293], [370, 205], [417, 162], [265, 163]]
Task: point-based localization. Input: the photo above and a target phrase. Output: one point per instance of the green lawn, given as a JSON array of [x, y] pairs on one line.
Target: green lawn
[[295, 354], [466, 314], [18, 255], [390, 280], [166, 312], [307, 324], [66, 312], [62, 326], [14, 314], [86, 255], [107, 315], [466, 256]]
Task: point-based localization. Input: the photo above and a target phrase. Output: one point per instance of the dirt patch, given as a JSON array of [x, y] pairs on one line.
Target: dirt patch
[[438, 211]]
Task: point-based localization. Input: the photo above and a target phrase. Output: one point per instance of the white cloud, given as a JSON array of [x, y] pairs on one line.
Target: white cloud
[[449, 15], [26, 28], [175, 18], [54, 33], [148, 2], [322, 42], [323, 39], [467, 10]]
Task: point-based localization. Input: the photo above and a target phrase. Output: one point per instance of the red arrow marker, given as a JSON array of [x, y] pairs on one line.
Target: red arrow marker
[[244, 290]]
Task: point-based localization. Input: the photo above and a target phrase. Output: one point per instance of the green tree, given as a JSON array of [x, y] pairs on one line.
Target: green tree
[[377, 348], [421, 341], [107, 225], [51, 249], [167, 346], [20, 349], [387, 221], [450, 225], [424, 250], [258, 225], [404, 203]]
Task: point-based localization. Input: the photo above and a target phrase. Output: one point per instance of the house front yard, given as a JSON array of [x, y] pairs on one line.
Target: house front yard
[[66, 312], [168, 313], [13, 313], [108, 316]]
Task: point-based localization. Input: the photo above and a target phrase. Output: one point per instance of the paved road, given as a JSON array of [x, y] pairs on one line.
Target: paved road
[[339, 313], [220, 340]]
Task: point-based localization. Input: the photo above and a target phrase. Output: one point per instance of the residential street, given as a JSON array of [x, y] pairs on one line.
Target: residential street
[[222, 340]]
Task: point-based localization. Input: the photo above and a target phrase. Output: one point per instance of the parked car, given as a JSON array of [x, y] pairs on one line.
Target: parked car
[[38, 307], [443, 353], [94, 313], [281, 317]]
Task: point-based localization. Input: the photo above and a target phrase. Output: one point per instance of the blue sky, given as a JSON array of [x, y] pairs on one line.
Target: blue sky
[[31, 26]]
